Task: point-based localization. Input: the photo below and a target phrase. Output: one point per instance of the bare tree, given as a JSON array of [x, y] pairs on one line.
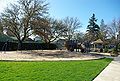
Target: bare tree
[[72, 25], [1, 27], [103, 31], [79, 36], [113, 31], [118, 29], [63, 28], [42, 28], [57, 28], [18, 17], [49, 29]]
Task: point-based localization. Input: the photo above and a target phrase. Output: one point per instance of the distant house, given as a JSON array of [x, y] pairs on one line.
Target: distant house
[[27, 40], [5, 38], [38, 39], [60, 42]]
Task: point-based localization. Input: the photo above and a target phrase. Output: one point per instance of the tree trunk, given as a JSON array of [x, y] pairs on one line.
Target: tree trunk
[[116, 48], [48, 45], [20, 45]]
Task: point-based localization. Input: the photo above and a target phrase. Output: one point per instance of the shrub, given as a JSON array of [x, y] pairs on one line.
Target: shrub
[[106, 50], [27, 46], [114, 52], [119, 47]]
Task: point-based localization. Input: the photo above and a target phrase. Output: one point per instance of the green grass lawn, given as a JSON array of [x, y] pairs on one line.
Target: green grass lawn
[[52, 71]]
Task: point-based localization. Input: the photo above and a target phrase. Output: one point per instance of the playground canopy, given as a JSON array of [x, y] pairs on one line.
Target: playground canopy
[[97, 45], [99, 41]]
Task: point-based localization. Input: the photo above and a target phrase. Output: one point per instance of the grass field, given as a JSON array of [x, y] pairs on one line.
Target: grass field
[[52, 71]]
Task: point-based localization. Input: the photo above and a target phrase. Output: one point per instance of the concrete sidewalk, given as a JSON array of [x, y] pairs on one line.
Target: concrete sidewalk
[[111, 72]]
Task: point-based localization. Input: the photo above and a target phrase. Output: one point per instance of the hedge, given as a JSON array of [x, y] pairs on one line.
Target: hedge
[[11, 46]]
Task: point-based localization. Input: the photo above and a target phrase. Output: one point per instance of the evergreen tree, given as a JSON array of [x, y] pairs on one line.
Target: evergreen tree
[[93, 29]]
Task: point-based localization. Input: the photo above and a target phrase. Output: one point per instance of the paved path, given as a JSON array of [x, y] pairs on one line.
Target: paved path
[[111, 72]]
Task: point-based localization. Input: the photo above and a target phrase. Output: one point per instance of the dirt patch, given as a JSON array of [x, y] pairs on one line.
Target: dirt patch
[[47, 55]]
